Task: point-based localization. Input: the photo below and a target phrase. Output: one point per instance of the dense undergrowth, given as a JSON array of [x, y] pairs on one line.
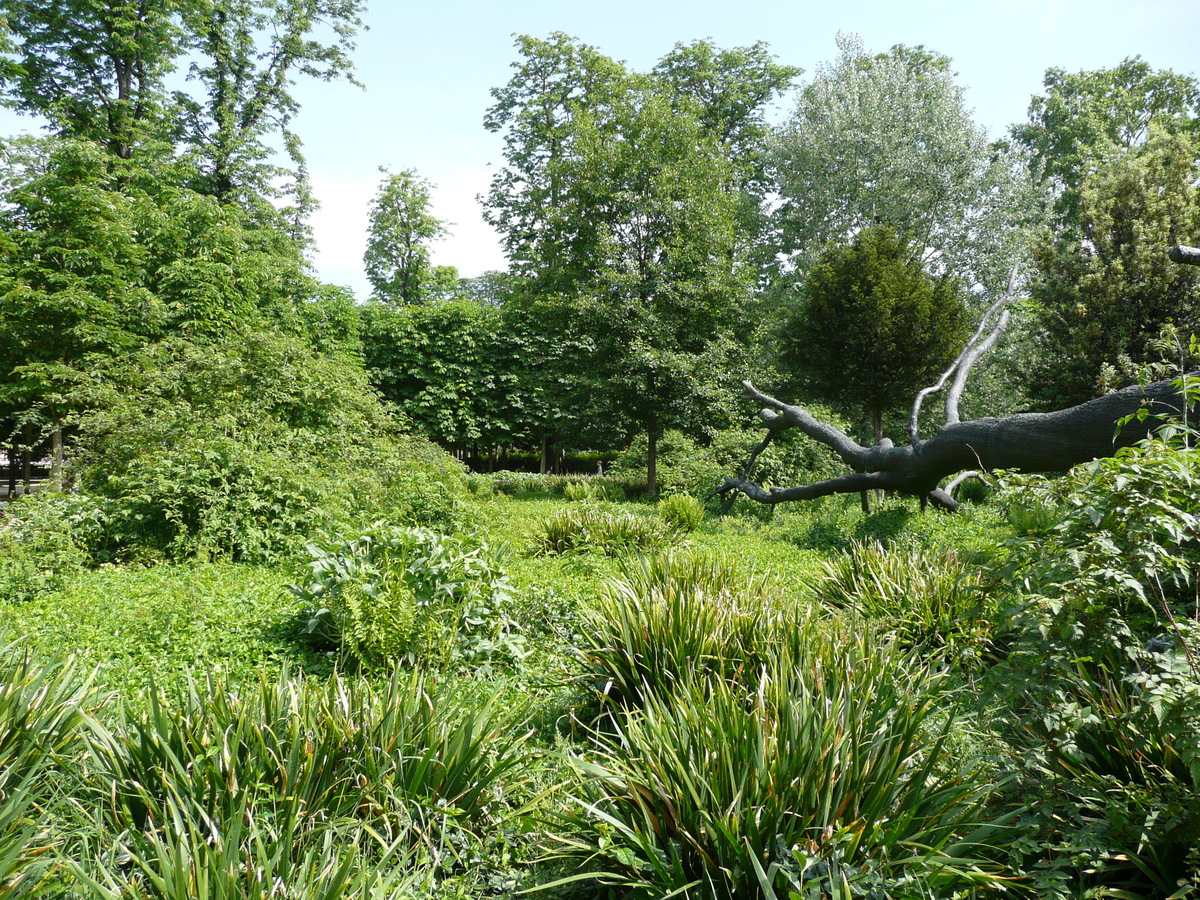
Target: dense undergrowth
[[566, 690]]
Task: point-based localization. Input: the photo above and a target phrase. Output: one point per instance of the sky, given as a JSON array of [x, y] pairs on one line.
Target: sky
[[428, 69]]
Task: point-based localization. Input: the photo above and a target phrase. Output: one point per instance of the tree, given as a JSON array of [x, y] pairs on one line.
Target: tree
[[401, 230], [618, 201], [729, 91], [872, 325], [70, 287], [888, 139], [249, 54], [95, 71], [535, 109], [1084, 115], [1105, 288]]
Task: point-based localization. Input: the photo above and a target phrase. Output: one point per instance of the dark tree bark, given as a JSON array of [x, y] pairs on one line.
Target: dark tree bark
[[1187, 255], [1031, 442]]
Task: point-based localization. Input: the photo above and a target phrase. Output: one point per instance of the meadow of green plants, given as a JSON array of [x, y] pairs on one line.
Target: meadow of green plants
[[562, 686]]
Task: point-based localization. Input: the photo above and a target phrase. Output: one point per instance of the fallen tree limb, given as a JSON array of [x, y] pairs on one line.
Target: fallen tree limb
[[1031, 442]]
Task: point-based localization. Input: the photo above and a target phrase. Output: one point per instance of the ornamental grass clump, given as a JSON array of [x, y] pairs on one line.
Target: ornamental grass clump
[[931, 599], [280, 773], [676, 614], [583, 527], [681, 512], [41, 716], [828, 772]]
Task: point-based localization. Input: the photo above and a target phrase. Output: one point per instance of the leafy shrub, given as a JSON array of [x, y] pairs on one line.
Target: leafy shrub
[[396, 594], [929, 598], [1106, 746], [243, 447], [584, 528], [827, 776], [682, 466], [681, 512], [48, 537], [680, 613]]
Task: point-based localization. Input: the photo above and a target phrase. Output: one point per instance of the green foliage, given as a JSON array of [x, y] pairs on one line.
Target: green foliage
[[41, 713], [410, 595], [590, 148], [888, 139], [681, 512], [1084, 114], [311, 780], [1100, 663], [243, 447], [1106, 288], [872, 302], [832, 765], [45, 539], [930, 599], [585, 527]]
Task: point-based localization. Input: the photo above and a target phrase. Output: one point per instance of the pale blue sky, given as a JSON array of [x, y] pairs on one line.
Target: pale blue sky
[[428, 68]]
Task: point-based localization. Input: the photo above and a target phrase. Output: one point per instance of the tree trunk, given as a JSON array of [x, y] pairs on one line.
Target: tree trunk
[[27, 459], [1189, 256], [652, 462], [56, 452]]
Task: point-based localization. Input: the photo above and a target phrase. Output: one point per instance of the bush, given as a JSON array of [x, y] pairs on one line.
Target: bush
[[395, 594], [827, 776], [681, 512], [1106, 749], [241, 448], [585, 528], [48, 537]]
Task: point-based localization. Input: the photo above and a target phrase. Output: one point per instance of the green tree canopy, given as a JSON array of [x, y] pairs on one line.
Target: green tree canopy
[[1083, 115], [888, 139], [1105, 289], [873, 327], [618, 200]]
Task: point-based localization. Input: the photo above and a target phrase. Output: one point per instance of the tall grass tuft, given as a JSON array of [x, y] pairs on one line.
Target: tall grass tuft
[[419, 769], [585, 527], [41, 712], [829, 772], [675, 614], [931, 599], [682, 512]]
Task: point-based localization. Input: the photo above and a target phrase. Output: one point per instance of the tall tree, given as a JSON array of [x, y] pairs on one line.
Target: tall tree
[[1084, 115], [71, 286], [888, 139], [250, 52], [873, 326], [398, 238], [553, 81], [1105, 288], [621, 199], [94, 70], [730, 90]]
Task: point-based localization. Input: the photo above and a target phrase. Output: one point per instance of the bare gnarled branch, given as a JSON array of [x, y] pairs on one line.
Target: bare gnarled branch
[[961, 367]]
